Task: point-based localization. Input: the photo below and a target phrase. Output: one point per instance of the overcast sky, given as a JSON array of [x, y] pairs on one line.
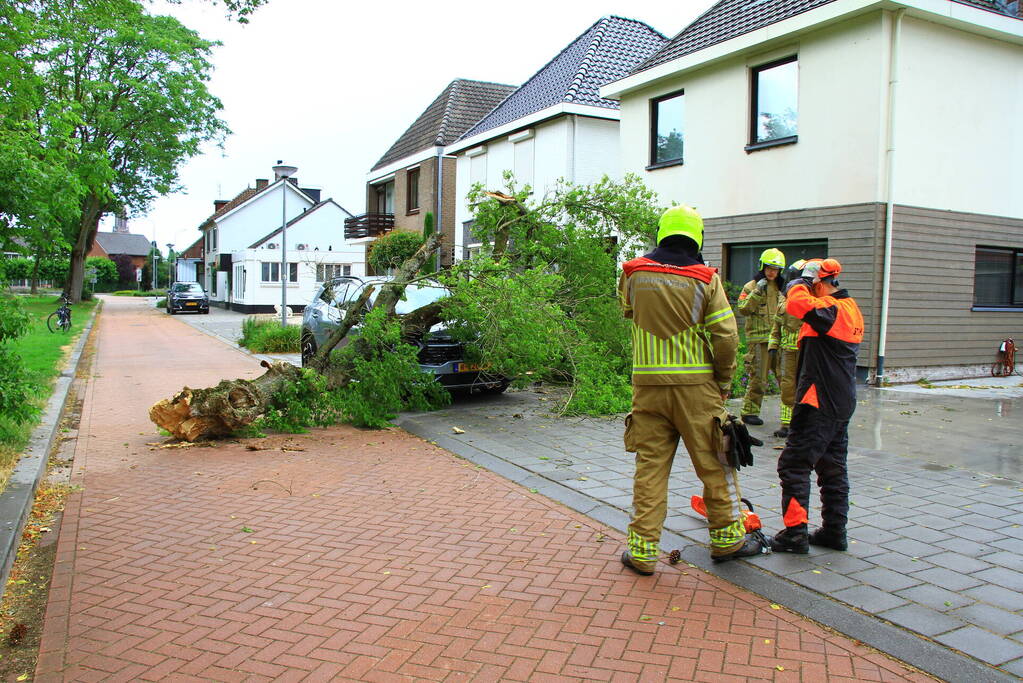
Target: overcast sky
[[327, 85]]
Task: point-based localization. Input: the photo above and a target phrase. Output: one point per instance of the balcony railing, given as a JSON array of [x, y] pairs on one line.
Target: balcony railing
[[368, 225]]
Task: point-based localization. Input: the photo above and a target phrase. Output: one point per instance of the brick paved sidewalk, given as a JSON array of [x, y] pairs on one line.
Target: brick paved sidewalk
[[350, 554]]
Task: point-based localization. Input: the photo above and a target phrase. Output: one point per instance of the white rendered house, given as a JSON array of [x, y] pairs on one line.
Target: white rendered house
[[883, 133], [555, 125], [243, 259]]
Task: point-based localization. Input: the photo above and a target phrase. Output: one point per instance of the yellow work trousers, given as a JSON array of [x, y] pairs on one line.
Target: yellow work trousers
[[758, 364], [660, 415], [787, 372]]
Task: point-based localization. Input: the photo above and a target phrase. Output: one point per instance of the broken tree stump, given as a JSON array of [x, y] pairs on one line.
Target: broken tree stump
[[194, 414]]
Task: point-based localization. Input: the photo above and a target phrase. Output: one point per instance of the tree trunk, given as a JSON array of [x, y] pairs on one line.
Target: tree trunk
[[35, 272], [87, 227], [195, 414]]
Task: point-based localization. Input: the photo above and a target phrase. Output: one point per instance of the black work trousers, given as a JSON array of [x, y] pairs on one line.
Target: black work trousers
[[819, 444]]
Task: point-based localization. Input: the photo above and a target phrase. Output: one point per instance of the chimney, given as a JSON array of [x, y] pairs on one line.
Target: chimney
[[121, 223], [219, 204], [261, 183]]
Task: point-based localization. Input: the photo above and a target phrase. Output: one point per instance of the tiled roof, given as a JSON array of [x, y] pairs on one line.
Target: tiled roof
[[458, 107], [731, 18], [993, 5], [605, 52], [726, 20], [123, 243], [296, 219], [244, 195]]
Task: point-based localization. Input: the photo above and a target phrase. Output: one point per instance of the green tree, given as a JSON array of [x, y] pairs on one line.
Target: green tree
[[104, 270], [540, 302], [393, 249], [136, 87]]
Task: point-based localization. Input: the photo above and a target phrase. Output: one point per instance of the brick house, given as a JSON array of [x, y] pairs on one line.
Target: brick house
[[415, 176]]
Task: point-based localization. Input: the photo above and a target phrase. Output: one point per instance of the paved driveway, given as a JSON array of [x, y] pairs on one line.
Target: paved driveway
[[937, 503]]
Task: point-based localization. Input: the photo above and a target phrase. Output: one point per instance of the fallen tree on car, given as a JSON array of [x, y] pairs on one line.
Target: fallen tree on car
[[537, 304]]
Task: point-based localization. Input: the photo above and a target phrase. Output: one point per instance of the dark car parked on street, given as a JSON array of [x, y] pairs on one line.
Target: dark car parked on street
[[187, 296], [439, 354]]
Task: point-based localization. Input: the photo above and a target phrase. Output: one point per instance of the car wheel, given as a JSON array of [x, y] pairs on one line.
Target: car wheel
[[308, 347]]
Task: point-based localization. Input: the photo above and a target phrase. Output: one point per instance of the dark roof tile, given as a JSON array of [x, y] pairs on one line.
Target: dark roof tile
[[124, 243], [606, 51], [459, 106], [732, 18]]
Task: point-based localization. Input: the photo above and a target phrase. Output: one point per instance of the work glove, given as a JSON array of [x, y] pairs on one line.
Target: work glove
[[798, 281], [737, 444], [762, 285]]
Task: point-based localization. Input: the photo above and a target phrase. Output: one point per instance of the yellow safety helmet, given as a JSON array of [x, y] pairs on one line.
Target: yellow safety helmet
[[681, 220], [772, 257]]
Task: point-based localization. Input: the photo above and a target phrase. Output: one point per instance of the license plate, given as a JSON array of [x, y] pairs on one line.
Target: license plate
[[467, 367], [191, 303]]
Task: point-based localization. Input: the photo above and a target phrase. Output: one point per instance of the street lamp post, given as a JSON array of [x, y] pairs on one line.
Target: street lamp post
[[156, 253], [172, 266], [284, 172]]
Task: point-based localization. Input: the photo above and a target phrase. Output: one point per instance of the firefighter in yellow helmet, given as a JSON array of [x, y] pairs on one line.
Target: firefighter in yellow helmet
[[759, 303], [684, 340], [783, 351]]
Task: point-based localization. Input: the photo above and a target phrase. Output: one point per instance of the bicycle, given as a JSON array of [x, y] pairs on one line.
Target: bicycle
[[61, 318]]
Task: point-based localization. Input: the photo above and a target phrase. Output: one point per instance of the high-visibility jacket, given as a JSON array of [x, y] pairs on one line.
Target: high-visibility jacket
[[785, 331], [759, 309], [683, 329], [828, 342]]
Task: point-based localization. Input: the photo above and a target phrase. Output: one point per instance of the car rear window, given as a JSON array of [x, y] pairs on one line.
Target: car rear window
[[415, 296], [186, 287]]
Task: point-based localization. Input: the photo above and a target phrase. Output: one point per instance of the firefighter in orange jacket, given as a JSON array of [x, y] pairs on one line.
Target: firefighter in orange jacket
[[684, 340], [783, 349], [826, 398]]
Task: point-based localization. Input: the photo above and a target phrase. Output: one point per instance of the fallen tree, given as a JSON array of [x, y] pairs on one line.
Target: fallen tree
[[538, 303], [194, 414]]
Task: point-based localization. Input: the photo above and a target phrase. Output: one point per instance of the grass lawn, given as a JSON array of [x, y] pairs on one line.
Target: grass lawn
[[44, 354]]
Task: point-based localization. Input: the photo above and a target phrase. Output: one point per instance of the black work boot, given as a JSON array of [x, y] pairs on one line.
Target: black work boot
[[644, 568], [829, 538], [752, 420], [753, 544], [792, 539], [783, 432]]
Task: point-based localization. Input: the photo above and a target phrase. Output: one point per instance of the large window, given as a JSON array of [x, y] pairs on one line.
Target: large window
[[667, 116], [775, 104], [413, 190], [743, 260], [998, 278], [385, 197], [329, 271], [271, 272]]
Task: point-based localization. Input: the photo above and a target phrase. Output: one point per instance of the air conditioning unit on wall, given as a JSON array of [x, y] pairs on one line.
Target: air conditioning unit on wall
[[301, 247], [271, 245]]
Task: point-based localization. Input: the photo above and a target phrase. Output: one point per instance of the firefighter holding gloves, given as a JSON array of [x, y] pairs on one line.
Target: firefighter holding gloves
[[825, 400], [684, 340], [759, 303]]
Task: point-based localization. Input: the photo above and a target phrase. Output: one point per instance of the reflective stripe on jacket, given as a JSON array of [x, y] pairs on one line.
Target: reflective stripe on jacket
[[828, 341], [683, 330], [759, 309], [785, 331]]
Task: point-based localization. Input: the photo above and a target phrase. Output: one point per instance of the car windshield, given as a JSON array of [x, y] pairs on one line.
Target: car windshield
[[415, 296], [192, 287]]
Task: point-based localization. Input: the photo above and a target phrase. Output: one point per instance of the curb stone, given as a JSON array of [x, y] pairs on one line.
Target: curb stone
[[924, 654], [16, 500]]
